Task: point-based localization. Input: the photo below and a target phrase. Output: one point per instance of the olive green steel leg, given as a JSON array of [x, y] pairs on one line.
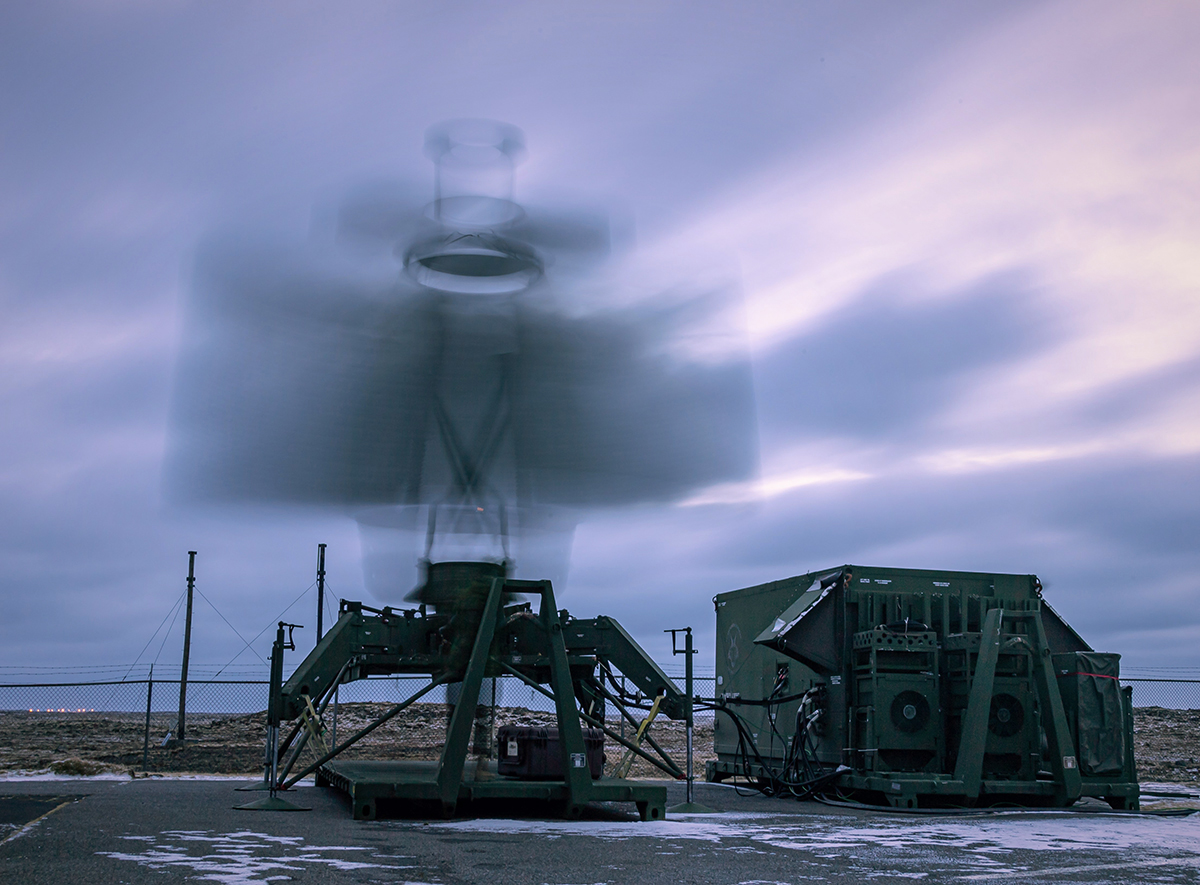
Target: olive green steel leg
[[973, 741], [274, 719], [577, 775], [1063, 761], [458, 735], [1130, 773]]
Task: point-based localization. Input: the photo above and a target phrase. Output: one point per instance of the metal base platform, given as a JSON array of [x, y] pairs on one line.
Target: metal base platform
[[927, 790], [370, 784]]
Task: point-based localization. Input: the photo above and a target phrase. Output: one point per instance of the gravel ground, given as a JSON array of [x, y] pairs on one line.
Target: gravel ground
[[90, 743], [1166, 742]]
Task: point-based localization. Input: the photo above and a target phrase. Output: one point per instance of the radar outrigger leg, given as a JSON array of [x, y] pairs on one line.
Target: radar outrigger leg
[[274, 718], [688, 806]]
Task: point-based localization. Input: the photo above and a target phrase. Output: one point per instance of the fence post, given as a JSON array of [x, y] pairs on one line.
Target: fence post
[[623, 696], [146, 735], [493, 753]]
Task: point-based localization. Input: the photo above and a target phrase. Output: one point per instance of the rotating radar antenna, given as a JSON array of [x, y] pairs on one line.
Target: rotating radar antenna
[[467, 377]]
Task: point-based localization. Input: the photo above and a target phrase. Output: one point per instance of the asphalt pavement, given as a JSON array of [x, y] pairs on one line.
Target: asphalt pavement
[[163, 831]]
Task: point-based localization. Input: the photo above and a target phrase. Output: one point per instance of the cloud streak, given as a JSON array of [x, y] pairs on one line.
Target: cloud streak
[[965, 237]]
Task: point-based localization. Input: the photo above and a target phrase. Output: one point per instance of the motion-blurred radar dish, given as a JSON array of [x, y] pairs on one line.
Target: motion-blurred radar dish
[[465, 388]]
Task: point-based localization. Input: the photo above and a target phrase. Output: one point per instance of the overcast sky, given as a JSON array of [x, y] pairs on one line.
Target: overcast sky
[[967, 235]]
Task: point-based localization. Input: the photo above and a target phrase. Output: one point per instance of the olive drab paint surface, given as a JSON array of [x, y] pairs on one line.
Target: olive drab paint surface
[[929, 687]]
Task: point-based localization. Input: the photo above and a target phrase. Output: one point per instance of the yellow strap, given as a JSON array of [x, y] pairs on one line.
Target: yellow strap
[[312, 722], [622, 770]]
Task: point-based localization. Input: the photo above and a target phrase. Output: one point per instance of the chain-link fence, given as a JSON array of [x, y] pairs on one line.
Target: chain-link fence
[[81, 727], [1170, 694]]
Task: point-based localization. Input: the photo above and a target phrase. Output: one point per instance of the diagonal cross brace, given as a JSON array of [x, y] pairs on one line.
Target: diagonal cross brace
[[973, 741]]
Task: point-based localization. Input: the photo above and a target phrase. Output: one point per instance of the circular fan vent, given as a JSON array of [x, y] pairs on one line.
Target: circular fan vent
[[1007, 716], [910, 711]]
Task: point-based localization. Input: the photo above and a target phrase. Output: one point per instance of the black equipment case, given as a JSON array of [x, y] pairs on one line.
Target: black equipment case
[[533, 753]]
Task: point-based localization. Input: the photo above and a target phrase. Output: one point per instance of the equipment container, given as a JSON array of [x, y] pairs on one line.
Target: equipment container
[[928, 688], [532, 753]]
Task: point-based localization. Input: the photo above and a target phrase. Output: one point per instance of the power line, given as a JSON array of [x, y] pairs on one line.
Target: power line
[[226, 620], [151, 637], [178, 606], [270, 624], [329, 606]]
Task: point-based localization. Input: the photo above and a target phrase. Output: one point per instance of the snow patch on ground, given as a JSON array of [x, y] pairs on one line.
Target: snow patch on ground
[[835, 835], [242, 857], [43, 774]]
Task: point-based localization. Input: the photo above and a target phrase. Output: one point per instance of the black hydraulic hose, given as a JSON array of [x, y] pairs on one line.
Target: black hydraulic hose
[[799, 783], [745, 702], [674, 770], [631, 699], [646, 736], [745, 740]]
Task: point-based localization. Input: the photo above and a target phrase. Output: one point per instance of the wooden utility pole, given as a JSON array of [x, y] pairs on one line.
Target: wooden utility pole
[[187, 645], [320, 588]]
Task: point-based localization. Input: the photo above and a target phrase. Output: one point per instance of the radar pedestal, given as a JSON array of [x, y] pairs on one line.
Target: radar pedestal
[[476, 633]]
